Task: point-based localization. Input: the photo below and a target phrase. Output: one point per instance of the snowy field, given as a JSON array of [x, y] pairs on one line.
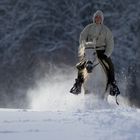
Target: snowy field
[[55, 114], [103, 124]]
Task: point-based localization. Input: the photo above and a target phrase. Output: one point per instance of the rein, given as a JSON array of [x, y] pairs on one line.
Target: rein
[[96, 54], [95, 65]]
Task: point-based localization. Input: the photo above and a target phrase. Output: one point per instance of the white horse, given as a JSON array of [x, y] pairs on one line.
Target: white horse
[[95, 76]]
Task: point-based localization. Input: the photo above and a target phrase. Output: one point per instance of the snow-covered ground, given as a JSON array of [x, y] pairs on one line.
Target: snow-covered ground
[[103, 124], [55, 114]]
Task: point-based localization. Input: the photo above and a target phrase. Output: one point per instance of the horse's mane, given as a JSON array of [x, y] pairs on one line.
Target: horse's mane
[[81, 51]]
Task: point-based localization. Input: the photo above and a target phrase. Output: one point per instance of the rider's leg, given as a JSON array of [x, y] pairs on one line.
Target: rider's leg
[[111, 74], [76, 89], [111, 69], [114, 90]]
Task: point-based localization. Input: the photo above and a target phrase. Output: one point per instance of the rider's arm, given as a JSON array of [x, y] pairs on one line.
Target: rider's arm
[[82, 39], [109, 43], [84, 34]]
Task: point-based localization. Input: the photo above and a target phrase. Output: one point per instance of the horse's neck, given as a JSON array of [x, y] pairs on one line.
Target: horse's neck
[[96, 81], [98, 72]]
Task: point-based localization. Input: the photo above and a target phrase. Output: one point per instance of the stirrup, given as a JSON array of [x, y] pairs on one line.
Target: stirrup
[[114, 90]]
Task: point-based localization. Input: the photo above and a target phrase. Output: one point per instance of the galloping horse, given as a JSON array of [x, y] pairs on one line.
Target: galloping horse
[[95, 75]]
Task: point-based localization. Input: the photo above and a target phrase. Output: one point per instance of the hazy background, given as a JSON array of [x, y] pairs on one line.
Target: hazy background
[[37, 36]]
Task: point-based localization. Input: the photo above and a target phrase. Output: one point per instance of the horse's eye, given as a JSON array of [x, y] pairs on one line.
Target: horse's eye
[[94, 53]]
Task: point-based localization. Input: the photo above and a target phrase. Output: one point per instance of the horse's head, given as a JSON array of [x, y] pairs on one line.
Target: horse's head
[[90, 56]]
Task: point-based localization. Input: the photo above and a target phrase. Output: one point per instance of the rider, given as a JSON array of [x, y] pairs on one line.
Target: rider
[[104, 44]]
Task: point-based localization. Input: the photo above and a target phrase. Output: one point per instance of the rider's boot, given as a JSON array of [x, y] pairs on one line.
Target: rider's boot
[[114, 90], [76, 89]]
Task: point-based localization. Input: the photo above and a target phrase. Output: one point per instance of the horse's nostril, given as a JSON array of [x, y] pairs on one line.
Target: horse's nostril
[[89, 66], [89, 63]]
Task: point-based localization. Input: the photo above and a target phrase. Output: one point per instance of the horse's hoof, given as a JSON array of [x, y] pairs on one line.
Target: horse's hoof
[[75, 91]]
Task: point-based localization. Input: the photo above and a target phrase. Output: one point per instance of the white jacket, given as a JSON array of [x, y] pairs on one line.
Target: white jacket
[[101, 33]]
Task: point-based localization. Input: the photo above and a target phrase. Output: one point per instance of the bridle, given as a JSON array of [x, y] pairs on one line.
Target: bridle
[[90, 64]]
